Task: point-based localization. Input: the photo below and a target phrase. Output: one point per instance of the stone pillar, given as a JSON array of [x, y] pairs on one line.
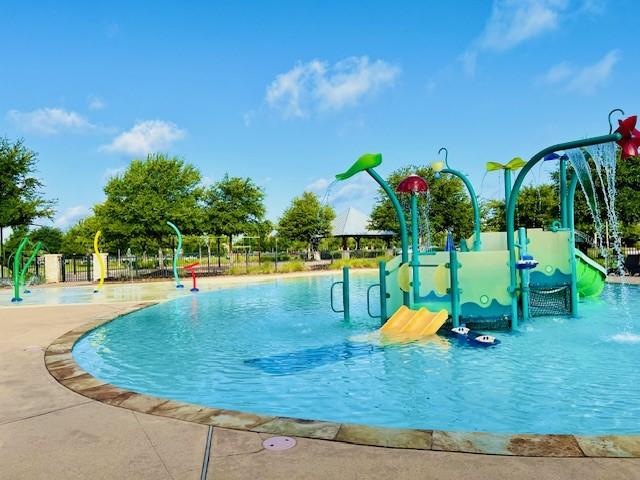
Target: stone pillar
[[95, 269], [346, 254], [53, 268]]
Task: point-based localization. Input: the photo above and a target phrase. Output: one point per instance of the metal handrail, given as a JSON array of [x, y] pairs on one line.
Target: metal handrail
[[331, 295], [369, 302]]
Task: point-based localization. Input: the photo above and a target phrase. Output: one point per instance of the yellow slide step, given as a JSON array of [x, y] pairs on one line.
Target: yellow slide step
[[414, 323]]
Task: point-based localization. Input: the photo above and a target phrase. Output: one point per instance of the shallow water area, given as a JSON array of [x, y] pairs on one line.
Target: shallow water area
[[276, 348]]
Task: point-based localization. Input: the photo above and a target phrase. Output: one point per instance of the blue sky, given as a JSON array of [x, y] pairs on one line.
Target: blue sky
[[291, 92]]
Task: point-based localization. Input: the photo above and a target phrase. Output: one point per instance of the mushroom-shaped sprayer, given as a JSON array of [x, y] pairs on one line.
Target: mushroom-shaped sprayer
[[414, 185]]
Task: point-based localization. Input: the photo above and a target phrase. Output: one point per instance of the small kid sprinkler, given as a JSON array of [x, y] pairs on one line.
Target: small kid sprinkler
[[96, 248], [191, 269], [175, 255]]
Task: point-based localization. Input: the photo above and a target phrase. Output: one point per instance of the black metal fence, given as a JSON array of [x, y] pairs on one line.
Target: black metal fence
[[33, 275]]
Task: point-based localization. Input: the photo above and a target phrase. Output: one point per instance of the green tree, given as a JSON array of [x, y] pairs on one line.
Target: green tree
[[78, 240], [51, 238], [233, 206], [628, 198], [20, 198], [141, 200], [538, 206], [306, 220], [449, 206]]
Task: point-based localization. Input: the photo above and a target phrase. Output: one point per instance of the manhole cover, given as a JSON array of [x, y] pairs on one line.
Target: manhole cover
[[279, 443]]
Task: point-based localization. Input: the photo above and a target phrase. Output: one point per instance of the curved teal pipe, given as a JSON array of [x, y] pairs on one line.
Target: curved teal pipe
[[474, 201], [404, 242], [175, 255], [513, 200]]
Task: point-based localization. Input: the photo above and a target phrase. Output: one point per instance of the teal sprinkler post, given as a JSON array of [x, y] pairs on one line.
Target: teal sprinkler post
[[414, 185], [513, 200], [16, 270], [524, 273], [36, 249], [454, 290], [368, 162], [443, 167], [571, 194], [175, 255], [382, 276]]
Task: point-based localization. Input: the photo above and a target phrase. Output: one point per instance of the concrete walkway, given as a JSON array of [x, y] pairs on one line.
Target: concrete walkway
[[49, 432]]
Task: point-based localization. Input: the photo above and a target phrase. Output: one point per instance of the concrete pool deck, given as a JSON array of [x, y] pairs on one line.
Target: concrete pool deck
[[48, 431]]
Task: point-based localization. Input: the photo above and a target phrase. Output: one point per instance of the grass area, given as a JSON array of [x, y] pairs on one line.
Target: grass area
[[286, 267], [357, 263]]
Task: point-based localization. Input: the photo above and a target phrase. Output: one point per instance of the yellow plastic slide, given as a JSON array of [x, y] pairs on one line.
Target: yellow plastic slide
[[414, 323]]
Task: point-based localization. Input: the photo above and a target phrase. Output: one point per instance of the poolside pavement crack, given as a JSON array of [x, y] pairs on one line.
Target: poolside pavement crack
[[45, 413], [153, 446]]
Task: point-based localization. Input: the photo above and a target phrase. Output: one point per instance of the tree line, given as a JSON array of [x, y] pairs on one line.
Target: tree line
[[139, 201]]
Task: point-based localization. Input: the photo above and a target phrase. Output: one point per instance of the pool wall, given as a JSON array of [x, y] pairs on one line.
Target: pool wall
[[62, 366]]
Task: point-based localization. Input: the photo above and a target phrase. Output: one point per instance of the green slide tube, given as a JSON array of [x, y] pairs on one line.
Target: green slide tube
[[590, 276]]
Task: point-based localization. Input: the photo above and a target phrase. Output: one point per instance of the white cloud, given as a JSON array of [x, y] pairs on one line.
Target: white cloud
[[556, 74], [317, 186], [319, 86], [585, 80], [49, 121], [354, 190], [96, 103], [590, 78], [71, 215], [513, 22], [146, 137]]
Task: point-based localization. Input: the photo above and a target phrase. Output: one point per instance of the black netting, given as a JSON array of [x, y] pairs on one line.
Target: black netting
[[549, 301]]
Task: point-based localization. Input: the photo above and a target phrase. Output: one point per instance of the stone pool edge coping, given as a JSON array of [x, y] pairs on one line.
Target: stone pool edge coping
[[61, 365]]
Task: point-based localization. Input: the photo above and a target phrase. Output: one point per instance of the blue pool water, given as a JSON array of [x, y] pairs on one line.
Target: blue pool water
[[276, 348]]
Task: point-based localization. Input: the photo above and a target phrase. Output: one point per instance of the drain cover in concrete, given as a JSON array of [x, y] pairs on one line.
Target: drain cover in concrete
[[279, 443]]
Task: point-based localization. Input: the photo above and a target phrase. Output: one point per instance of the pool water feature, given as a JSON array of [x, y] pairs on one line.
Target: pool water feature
[[275, 348]]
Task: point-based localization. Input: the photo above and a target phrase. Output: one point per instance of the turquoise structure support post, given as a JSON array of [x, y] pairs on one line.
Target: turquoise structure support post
[[524, 274], [513, 200], [415, 254], [454, 290], [404, 242], [507, 187], [382, 274], [175, 255], [571, 193], [563, 191], [345, 293], [36, 249], [16, 270]]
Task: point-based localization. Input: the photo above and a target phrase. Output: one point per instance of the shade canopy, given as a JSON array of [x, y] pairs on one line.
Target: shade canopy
[[354, 223]]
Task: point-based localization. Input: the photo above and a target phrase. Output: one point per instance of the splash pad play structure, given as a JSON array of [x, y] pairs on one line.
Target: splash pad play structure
[[504, 278]]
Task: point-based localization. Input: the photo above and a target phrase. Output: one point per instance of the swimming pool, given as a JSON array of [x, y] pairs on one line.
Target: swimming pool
[[276, 348]]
